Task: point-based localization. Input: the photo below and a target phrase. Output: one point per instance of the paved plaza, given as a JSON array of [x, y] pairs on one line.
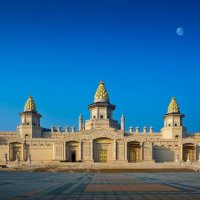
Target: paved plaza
[[88, 185]]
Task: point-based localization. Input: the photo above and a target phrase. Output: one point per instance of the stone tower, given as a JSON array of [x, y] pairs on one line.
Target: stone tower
[[101, 111], [173, 122], [30, 120]]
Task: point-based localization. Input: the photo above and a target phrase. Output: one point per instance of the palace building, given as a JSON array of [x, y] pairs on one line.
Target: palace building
[[100, 138]]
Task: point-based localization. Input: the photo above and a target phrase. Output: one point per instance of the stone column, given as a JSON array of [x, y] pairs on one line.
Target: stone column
[[181, 150], [122, 123], [142, 150], [97, 113], [196, 153], [80, 150], [91, 150], [125, 151], [114, 149], [64, 149], [22, 151], [9, 152], [80, 122]]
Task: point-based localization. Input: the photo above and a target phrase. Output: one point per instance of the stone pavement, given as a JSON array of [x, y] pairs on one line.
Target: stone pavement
[[97, 186]]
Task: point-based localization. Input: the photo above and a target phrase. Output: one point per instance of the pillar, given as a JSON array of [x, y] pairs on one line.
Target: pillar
[[125, 151], [114, 149], [122, 123], [73, 129], [9, 152], [64, 153], [181, 150], [91, 150], [80, 150], [130, 129], [22, 151], [141, 151], [80, 122], [52, 129], [66, 129], [59, 129], [137, 129]]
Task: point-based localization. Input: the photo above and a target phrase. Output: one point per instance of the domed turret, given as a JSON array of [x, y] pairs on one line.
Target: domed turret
[[30, 105], [101, 94], [173, 107], [101, 111], [30, 120], [173, 122]]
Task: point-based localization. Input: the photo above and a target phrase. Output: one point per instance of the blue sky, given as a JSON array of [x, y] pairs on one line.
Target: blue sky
[[58, 51]]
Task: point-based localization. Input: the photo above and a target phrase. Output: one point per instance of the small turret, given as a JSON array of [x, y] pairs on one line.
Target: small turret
[[101, 110], [30, 120], [173, 122]]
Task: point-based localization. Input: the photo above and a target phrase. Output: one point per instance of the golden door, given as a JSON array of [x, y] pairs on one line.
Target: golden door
[[132, 156], [102, 156]]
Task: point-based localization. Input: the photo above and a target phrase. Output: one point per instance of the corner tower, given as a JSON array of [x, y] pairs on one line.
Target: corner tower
[[30, 120], [101, 111], [173, 122]]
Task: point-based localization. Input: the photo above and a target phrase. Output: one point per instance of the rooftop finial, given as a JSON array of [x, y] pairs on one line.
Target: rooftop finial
[[30, 105], [173, 106], [101, 94]]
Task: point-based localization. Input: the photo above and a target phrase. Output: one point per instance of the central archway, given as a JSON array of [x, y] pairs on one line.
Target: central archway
[[134, 152], [103, 148]]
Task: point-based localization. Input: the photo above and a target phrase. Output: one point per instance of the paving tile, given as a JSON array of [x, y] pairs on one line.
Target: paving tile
[[99, 186]]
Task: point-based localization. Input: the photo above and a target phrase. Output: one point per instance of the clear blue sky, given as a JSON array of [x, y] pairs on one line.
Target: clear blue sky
[[58, 51]]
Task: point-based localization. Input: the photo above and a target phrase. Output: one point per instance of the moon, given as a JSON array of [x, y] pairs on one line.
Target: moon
[[180, 31]]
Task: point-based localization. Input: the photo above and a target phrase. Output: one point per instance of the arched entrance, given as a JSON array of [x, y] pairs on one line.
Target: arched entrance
[[133, 153], [188, 150], [72, 151], [15, 151], [102, 150]]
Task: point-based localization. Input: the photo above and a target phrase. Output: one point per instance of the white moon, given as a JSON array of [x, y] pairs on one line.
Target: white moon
[[179, 31]]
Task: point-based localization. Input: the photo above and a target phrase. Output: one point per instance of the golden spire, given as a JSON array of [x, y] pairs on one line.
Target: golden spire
[[30, 105], [173, 106], [101, 94]]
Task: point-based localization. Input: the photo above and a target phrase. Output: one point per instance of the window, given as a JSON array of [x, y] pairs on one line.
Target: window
[[175, 124], [176, 136], [94, 117], [101, 116]]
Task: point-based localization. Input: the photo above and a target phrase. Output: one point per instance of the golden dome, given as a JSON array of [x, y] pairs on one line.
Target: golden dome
[[101, 94], [30, 105], [173, 106]]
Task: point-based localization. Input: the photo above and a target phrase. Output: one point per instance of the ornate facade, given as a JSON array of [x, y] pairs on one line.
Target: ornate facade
[[100, 139]]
